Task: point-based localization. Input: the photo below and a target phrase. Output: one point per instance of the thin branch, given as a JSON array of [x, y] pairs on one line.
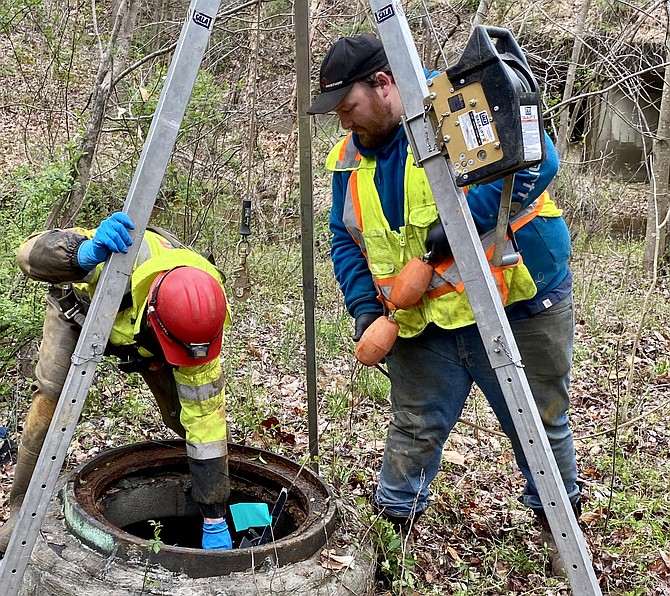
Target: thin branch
[[628, 422], [170, 48], [563, 104]]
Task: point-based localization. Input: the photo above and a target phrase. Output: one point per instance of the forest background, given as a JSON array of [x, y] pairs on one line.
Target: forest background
[[79, 82]]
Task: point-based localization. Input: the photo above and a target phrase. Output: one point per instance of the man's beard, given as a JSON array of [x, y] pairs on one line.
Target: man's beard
[[379, 132]]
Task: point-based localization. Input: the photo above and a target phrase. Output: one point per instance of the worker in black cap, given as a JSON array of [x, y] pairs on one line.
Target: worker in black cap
[[350, 60], [383, 215]]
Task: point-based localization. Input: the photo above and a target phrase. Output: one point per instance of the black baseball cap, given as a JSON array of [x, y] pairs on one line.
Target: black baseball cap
[[349, 60]]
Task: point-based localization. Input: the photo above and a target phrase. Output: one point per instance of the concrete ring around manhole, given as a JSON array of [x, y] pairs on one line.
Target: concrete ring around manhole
[[98, 540]]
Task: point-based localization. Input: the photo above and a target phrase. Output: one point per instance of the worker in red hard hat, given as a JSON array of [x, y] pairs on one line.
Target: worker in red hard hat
[[189, 334], [169, 329]]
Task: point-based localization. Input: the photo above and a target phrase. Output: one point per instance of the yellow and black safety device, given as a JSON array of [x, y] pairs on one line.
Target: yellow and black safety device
[[487, 110]]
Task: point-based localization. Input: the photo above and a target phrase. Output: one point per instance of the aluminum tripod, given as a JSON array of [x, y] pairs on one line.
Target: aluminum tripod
[[111, 287]]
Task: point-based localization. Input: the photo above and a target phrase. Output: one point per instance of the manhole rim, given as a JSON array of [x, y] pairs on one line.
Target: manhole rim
[[104, 537]]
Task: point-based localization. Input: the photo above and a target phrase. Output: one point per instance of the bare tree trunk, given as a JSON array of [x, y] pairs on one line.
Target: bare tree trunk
[[657, 205], [482, 12], [287, 181], [112, 60], [125, 37], [564, 127]]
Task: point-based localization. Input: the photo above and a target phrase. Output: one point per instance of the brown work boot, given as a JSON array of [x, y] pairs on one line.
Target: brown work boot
[[555, 557], [548, 542], [7, 528], [34, 431]]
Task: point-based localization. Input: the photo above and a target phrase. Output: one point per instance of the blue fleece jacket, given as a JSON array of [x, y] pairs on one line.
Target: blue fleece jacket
[[544, 242]]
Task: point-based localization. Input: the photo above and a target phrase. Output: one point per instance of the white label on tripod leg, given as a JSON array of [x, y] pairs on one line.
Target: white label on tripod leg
[[530, 129]]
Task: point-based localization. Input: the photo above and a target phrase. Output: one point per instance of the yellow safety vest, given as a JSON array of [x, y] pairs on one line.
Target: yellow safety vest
[[445, 303], [156, 254], [200, 388]]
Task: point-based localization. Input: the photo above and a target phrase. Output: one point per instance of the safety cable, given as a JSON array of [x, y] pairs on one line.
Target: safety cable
[[241, 278]]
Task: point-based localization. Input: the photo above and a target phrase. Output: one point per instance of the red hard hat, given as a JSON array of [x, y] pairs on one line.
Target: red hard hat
[[187, 310]]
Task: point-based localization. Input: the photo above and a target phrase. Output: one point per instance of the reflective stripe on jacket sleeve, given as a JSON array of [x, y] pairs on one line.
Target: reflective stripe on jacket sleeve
[[203, 409]]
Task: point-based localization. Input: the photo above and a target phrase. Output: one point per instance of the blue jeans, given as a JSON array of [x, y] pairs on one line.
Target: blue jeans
[[431, 377]]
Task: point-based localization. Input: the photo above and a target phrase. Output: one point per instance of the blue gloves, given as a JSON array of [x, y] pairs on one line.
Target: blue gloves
[[216, 536], [111, 236]]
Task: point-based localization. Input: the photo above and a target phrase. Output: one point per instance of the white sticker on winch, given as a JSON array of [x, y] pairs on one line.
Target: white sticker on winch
[[530, 129], [476, 128]]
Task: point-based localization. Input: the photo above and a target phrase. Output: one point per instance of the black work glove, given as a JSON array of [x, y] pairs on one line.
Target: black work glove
[[437, 244], [363, 322]]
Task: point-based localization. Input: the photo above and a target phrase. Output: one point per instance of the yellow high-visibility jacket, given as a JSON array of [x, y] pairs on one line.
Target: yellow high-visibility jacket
[[51, 256]]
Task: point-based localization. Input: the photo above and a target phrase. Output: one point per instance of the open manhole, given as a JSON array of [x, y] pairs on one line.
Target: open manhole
[[113, 503]]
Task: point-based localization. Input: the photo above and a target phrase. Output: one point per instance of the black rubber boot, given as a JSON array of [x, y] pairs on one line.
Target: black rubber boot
[[391, 561], [402, 524]]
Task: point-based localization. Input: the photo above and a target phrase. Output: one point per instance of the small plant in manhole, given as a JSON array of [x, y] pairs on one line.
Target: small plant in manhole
[[175, 530], [153, 545]]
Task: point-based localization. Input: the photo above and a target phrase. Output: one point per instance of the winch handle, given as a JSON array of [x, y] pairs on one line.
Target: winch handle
[[510, 53], [505, 44]]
